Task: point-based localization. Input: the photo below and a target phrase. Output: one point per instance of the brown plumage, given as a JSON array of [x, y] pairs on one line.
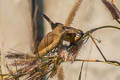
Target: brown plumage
[[59, 33], [71, 36], [51, 40]]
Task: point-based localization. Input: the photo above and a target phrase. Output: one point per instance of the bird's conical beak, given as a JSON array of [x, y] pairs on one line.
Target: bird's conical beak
[[77, 37]]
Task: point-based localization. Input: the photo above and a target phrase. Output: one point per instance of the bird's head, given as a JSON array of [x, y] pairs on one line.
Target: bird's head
[[74, 34], [61, 29]]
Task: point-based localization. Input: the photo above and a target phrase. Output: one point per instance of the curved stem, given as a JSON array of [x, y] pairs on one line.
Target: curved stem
[[112, 62], [95, 29], [97, 46], [80, 75], [98, 28]]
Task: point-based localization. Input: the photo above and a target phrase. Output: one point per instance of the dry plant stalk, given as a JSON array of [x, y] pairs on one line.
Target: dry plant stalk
[[35, 26], [72, 13], [80, 74], [60, 73], [113, 10]]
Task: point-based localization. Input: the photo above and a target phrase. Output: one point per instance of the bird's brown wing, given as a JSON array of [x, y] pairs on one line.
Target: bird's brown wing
[[48, 43], [47, 40]]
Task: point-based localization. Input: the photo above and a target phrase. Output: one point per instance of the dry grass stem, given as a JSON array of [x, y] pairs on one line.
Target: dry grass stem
[[60, 73], [72, 13]]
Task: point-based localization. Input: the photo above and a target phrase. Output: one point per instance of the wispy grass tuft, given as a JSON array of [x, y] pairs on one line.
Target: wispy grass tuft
[[72, 13]]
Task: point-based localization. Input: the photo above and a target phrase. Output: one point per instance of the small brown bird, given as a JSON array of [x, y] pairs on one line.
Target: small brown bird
[[55, 37], [72, 35], [52, 39]]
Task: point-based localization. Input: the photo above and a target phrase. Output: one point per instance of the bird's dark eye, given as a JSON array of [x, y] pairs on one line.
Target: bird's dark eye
[[63, 27], [56, 24]]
